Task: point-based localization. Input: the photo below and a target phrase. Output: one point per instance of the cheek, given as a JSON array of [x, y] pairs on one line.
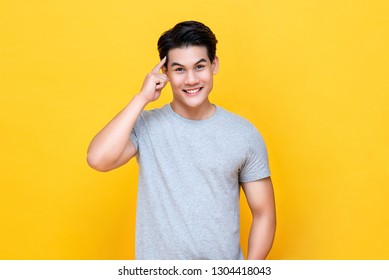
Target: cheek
[[174, 81], [206, 76], [207, 73]]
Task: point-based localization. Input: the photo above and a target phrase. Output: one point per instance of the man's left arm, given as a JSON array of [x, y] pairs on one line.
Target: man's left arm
[[260, 198]]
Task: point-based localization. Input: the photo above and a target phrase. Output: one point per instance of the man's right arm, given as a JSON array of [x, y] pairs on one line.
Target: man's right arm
[[111, 147]]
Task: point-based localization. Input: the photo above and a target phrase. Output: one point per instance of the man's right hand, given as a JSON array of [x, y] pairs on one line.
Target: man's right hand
[[154, 83], [111, 147]]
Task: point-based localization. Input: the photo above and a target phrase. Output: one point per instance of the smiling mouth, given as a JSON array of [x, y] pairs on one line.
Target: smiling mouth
[[192, 91]]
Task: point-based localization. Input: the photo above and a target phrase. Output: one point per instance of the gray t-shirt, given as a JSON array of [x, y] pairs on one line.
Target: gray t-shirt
[[189, 174]]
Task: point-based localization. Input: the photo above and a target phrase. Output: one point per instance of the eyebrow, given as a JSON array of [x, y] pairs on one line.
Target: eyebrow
[[177, 64]]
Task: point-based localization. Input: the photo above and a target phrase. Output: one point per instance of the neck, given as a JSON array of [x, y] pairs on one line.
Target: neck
[[203, 112]]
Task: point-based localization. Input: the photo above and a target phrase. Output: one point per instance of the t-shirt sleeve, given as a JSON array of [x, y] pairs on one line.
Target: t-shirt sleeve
[[256, 165], [135, 133]]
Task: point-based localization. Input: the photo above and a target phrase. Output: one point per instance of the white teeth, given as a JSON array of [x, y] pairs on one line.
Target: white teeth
[[192, 91]]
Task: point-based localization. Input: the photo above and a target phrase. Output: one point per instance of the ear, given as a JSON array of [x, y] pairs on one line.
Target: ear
[[215, 65]]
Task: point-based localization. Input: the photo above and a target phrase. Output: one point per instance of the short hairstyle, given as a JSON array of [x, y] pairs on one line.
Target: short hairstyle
[[186, 34]]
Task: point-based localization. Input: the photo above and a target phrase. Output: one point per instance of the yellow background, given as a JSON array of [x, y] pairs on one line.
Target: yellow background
[[311, 75]]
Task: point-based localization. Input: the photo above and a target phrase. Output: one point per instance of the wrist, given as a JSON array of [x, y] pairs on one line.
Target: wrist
[[141, 100]]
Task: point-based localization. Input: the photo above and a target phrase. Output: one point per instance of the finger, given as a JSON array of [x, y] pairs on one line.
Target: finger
[[159, 65], [161, 85], [162, 80]]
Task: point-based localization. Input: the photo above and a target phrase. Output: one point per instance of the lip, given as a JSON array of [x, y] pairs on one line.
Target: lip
[[193, 91]]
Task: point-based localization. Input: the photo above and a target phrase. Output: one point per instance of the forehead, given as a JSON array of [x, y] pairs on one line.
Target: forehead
[[187, 55]]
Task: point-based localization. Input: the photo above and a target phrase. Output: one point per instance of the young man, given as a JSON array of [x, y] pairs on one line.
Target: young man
[[193, 156]]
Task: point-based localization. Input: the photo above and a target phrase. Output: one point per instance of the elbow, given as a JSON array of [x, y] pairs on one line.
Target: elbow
[[96, 163]]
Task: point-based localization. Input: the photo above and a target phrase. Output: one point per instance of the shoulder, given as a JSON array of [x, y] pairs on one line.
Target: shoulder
[[236, 121], [149, 118], [153, 114]]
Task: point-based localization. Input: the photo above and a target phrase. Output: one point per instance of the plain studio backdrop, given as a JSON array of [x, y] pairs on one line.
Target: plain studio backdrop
[[311, 75]]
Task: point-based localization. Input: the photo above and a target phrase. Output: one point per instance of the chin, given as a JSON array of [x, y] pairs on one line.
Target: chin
[[194, 101]]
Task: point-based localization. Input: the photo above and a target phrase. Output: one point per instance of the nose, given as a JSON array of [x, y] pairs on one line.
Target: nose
[[191, 78]]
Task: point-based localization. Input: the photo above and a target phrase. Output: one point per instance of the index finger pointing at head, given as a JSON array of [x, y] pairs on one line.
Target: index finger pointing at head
[[159, 65]]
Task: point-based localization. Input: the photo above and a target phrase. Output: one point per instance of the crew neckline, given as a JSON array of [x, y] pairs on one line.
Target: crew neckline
[[181, 118]]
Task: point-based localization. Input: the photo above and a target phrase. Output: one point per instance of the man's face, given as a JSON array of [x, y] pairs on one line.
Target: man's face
[[190, 75]]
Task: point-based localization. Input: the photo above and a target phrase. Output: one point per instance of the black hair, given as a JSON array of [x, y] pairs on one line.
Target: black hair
[[186, 34]]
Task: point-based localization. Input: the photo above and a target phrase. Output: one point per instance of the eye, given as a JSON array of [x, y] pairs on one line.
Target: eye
[[199, 67], [179, 69]]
